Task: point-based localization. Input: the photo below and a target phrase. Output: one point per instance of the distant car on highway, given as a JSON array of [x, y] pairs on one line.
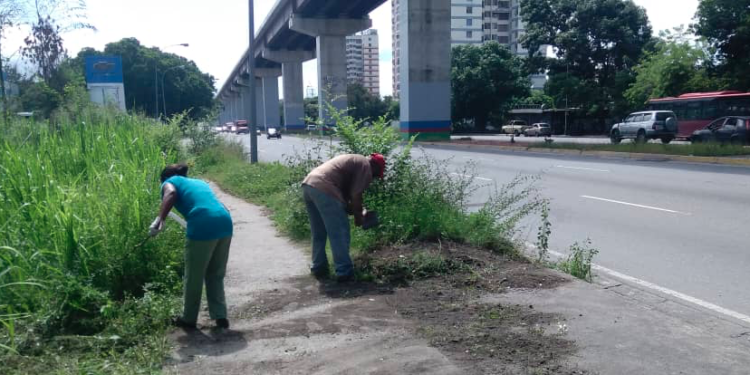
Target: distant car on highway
[[731, 129], [273, 133], [312, 127], [538, 129], [642, 126], [242, 127], [228, 127], [515, 127]]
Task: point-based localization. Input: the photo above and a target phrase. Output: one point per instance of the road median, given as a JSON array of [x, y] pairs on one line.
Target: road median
[[639, 156]]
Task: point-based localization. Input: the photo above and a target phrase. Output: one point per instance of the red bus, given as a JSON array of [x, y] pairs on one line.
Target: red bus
[[695, 110]]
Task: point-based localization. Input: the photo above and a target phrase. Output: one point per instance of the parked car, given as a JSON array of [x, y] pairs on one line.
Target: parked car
[[228, 127], [732, 129], [515, 127], [312, 127], [538, 129], [642, 126], [273, 133], [217, 129], [242, 127]]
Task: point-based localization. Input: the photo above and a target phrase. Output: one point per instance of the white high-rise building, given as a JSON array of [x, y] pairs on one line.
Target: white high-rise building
[[475, 22], [363, 60]]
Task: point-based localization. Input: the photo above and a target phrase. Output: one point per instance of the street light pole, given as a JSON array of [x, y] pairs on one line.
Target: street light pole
[[163, 77], [251, 70], [156, 78]]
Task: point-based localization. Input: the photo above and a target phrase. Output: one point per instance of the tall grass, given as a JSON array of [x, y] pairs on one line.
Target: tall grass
[[75, 203]]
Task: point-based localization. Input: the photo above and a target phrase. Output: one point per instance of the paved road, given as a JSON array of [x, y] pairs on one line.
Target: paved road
[[681, 226]]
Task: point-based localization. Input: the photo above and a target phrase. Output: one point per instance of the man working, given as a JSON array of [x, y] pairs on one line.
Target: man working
[[331, 190]]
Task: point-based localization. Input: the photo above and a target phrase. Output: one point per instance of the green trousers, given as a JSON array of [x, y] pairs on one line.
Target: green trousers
[[205, 261]]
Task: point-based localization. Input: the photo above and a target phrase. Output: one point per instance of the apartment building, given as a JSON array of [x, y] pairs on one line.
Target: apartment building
[[362, 60]]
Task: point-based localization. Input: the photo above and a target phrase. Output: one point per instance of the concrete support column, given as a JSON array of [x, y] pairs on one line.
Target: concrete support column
[[259, 109], [271, 113], [425, 69], [330, 35], [291, 75], [332, 80], [294, 103]]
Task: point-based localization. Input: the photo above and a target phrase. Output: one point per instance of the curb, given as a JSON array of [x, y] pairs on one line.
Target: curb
[[720, 160]]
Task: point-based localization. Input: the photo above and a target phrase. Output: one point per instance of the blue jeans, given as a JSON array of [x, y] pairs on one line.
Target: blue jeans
[[328, 221]]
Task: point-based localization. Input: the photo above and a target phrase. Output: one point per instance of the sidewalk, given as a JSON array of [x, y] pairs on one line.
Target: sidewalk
[[285, 322]]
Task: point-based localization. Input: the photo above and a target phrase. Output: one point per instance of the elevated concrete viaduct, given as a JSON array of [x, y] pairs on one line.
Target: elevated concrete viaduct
[[301, 30]]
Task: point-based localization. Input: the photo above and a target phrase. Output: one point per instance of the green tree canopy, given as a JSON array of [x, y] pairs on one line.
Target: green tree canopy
[[726, 25], [676, 66], [486, 80], [597, 43], [185, 86], [364, 105]]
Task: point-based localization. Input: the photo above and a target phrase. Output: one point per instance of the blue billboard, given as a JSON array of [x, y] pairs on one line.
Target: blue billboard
[[103, 69]]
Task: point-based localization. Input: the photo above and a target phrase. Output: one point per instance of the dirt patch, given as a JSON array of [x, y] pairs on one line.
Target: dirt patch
[[443, 308]]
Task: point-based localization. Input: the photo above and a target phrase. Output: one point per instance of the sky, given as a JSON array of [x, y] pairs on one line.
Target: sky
[[218, 35]]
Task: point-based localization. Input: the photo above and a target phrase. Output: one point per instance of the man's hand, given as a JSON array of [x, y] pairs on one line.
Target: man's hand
[[359, 219], [156, 227]]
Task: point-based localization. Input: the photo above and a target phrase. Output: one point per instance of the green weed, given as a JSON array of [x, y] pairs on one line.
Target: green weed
[[578, 263]]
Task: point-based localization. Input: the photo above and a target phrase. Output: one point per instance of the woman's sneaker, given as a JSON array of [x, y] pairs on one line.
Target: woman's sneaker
[[178, 322]]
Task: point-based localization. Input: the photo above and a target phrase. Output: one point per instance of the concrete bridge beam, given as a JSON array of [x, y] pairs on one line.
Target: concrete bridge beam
[[291, 75], [330, 36]]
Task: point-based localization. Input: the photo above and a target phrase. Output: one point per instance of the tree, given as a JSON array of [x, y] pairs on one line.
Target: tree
[[311, 110], [11, 13], [485, 81], [539, 98], [44, 48], [726, 25], [186, 87], [677, 66], [363, 105], [597, 43]]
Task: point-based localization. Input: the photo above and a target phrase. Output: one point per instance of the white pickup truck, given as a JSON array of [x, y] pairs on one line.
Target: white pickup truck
[[515, 127]]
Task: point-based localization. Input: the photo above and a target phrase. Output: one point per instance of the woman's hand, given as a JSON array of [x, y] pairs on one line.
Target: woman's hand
[[156, 227]]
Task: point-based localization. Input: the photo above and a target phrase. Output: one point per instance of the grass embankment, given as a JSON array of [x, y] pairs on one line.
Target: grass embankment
[[81, 290], [419, 200], [701, 149]]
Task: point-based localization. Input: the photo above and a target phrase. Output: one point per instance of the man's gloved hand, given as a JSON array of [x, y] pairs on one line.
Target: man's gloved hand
[[156, 227]]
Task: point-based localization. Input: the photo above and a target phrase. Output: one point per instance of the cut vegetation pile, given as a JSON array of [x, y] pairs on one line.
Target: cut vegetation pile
[[82, 290]]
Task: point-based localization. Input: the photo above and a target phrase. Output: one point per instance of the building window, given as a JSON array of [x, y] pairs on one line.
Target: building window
[[503, 4], [469, 10], [502, 27], [469, 35], [469, 22], [503, 16], [503, 39]]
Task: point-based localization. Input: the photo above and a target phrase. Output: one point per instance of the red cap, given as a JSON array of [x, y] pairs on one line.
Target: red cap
[[380, 161]]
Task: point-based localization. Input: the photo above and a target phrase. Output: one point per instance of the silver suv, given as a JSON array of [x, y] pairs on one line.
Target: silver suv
[[642, 126]]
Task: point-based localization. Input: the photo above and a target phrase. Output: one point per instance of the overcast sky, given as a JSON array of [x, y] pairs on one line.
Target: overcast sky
[[217, 30]]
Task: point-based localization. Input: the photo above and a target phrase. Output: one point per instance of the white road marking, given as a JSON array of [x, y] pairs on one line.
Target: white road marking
[[636, 205], [582, 168], [672, 293], [474, 177]]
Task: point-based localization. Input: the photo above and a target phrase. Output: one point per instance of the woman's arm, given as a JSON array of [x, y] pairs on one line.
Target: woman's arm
[[168, 198]]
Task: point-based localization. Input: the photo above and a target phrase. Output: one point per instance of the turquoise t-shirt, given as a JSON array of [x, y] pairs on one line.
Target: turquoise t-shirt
[[206, 217]]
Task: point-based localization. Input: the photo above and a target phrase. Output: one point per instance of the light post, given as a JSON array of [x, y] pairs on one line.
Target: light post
[[163, 95], [156, 78], [251, 94]]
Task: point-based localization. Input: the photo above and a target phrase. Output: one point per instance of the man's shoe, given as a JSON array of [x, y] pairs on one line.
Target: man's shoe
[[222, 323], [345, 278], [178, 322], [320, 273]]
